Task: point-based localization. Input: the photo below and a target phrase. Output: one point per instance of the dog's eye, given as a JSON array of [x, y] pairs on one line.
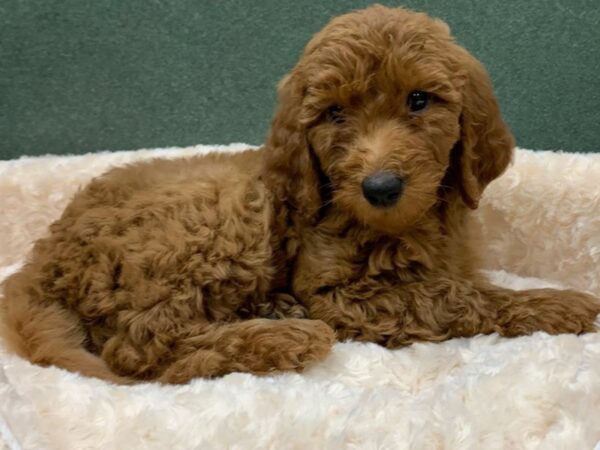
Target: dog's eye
[[335, 114], [417, 100]]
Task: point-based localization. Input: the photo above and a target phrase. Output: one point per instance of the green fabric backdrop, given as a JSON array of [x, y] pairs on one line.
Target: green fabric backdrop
[[79, 76]]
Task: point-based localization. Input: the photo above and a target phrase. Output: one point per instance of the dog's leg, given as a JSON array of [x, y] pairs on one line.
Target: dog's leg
[[206, 350], [553, 311], [396, 315]]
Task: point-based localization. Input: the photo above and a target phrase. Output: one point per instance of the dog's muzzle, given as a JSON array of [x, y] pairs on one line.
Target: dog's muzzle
[[382, 189]]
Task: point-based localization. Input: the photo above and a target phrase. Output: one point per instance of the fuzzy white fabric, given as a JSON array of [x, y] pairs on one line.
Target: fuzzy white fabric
[[541, 219]]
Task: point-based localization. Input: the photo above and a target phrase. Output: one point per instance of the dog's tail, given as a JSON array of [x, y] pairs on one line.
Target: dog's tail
[[47, 333]]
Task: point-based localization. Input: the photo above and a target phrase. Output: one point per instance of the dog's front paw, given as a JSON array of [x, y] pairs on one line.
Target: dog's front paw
[[302, 343], [287, 344], [552, 311]]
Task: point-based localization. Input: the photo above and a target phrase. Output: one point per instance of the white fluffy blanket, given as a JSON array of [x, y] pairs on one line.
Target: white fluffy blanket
[[541, 219]]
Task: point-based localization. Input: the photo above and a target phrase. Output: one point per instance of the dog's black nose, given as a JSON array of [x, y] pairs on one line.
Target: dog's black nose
[[382, 189]]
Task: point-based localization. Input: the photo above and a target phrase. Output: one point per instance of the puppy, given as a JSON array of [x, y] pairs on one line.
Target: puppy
[[352, 222]]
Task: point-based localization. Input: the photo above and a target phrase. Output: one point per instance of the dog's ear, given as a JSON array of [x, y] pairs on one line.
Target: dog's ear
[[486, 144], [290, 171]]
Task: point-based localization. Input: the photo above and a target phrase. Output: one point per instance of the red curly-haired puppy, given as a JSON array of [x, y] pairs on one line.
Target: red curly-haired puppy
[[352, 222]]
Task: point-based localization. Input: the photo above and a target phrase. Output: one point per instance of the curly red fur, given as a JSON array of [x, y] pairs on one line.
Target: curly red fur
[[173, 269]]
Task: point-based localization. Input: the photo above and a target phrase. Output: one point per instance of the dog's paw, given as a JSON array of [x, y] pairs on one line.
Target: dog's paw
[[301, 343], [552, 311]]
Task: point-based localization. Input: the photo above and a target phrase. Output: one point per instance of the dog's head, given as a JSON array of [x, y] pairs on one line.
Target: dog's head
[[382, 110]]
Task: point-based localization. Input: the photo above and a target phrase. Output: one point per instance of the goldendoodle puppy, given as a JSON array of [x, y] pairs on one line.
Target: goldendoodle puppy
[[352, 222]]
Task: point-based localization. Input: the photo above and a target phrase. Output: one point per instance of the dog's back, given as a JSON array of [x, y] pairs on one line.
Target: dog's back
[[139, 264]]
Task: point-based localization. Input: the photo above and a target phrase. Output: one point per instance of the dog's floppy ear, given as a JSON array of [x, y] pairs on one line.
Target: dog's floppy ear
[[486, 144], [290, 170]]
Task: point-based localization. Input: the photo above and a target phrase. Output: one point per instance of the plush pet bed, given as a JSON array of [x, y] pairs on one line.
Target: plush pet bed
[[541, 219]]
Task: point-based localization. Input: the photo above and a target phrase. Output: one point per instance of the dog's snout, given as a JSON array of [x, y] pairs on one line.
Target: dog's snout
[[382, 189]]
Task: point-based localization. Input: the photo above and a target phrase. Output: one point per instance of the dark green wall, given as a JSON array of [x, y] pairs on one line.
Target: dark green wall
[[79, 76]]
